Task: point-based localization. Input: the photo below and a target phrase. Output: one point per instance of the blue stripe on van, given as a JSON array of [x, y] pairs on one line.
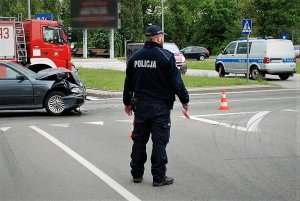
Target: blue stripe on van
[[251, 60]]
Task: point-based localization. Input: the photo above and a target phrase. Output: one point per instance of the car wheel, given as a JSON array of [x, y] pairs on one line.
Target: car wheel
[[221, 71], [284, 76], [201, 58], [54, 103], [254, 72]]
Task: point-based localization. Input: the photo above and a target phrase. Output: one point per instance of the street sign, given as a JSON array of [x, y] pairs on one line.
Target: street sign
[[91, 14], [44, 16], [247, 26]]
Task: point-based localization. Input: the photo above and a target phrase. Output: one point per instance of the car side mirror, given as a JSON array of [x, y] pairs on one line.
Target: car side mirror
[[20, 77], [182, 51], [223, 52]]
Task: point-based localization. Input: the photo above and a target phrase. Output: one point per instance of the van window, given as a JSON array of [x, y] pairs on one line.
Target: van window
[[230, 48], [242, 48]]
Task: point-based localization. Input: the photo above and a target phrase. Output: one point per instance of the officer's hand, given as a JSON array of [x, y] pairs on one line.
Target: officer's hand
[[128, 110], [185, 106]]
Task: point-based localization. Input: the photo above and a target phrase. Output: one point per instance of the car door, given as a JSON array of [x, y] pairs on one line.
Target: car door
[[14, 90], [241, 56], [187, 52], [54, 46], [196, 52], [228, 57]]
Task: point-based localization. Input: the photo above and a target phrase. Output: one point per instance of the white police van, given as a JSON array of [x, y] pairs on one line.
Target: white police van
[[266, 56]]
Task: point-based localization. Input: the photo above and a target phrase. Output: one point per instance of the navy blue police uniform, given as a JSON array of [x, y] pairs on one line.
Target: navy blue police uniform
[[154, 79]]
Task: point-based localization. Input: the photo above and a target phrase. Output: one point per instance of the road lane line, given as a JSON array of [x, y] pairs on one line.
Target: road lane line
[[219, 123], [241, 92], [108, 180], [254, 121], [242, 100], [252, 124], [223, 114], [289, 110]]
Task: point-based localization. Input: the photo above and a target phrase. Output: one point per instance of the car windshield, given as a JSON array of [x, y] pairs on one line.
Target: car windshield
[[172, 48], [23, 70]]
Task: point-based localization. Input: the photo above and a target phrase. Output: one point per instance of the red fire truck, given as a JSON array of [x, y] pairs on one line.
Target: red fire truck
[[36, 44]]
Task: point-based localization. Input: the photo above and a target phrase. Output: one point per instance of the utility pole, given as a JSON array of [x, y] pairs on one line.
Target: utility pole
[[111, 45], [29, 11], [162, 16]]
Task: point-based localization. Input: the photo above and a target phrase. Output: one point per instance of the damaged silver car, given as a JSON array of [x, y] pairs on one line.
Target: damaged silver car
[[57, 90]]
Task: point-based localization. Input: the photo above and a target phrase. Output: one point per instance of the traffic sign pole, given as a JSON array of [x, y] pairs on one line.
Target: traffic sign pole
[[247, 30], [247, 58]]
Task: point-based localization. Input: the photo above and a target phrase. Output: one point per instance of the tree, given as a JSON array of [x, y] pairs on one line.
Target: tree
[[217, 24], [273, 18], [132, 18]]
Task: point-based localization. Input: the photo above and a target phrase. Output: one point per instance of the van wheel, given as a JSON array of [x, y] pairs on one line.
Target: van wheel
[[201, 58], [54, 103], [255, 73], [221, 71], [284, 76]]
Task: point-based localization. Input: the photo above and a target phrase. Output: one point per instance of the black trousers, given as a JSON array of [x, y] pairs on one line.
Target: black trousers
[[150, 118]]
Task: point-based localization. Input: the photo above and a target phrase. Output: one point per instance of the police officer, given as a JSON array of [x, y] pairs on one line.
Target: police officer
[[152, 80]]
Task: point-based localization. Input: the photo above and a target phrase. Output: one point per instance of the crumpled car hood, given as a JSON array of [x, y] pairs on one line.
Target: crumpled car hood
[[44, 74]]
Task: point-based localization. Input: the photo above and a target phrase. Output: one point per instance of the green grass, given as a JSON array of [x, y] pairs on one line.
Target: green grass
[[210, 65], [114, 80], [205, 81], [102, 79], [201, 65]]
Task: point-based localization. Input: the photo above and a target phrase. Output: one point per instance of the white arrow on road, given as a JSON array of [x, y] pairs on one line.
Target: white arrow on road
[[252, 124], [4, 128]]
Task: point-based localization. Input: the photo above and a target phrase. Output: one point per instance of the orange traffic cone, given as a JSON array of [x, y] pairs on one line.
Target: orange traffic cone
[[224, 105]]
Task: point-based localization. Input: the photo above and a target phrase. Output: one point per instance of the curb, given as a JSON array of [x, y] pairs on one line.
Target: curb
[[200, 90]]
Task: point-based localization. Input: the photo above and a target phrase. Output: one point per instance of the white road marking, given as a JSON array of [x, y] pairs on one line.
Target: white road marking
[[126, 120], [246, 100], [4, 128], [66, 125], [252, 124], [208, 115], [96, 123], [108, 180], [92, 98], [219, 123], [241, 92], [289, 110]]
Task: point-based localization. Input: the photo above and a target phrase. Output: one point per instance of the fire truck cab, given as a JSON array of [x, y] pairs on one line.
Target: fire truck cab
[[36, 44]]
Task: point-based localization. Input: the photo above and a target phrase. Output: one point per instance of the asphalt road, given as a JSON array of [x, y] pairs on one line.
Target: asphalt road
[[248, 153]]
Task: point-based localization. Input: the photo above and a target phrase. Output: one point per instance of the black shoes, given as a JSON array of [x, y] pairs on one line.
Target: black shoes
[[137, 179], [166, 181]]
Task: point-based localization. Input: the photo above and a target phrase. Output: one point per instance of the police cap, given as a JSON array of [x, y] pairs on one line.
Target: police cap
[[153, 30]]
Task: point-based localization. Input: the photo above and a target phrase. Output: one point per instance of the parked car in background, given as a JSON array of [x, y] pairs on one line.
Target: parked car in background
[[195, 52], [180, 58], [297, 50], [172, 47], [58, 90]]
